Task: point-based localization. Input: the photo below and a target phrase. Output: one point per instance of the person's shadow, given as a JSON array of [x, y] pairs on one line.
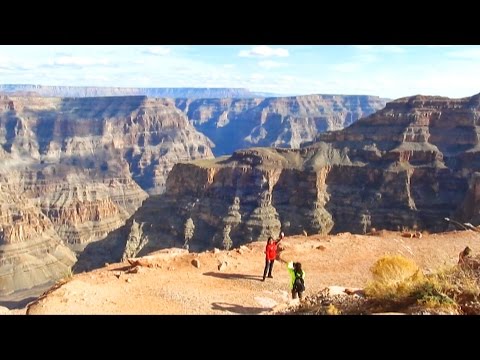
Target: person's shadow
[[238, 308], [233, 276]]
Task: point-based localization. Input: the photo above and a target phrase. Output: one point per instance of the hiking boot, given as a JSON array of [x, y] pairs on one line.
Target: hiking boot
[[263, 279], [270, 276]]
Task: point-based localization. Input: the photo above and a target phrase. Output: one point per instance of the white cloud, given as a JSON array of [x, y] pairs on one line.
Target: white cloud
[[257, 77], [346, 67], [468, 54], [269, 64], [5, 63], [158, 50], [4, 60], [393, 49], [438, 46], [366, 58], [381, 48], [363, 47], [97, 77], [264, 51], [79, 61]]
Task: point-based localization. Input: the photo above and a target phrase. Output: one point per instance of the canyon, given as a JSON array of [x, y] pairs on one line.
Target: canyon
[[83, 165], [87, 181], [75, 169], [407, 166], [287, 122]]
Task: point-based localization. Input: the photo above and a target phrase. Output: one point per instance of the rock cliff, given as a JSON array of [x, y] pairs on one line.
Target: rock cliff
[[82, 163], [409, 165], [234, 124], [31, 252]]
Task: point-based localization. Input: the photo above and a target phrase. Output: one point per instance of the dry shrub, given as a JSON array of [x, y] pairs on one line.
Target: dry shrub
[[67, 275], [332, 310], [448, 289], [399, 282], [463, 286], [394, 278]]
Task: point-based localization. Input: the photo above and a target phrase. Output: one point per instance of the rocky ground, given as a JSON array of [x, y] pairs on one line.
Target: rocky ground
[[168, 282]]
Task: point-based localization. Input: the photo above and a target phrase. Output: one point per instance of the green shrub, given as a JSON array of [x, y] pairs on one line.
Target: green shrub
[[431, 294]]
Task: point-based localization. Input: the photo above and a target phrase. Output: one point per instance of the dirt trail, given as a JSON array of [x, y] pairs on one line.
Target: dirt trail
[[175, 286]]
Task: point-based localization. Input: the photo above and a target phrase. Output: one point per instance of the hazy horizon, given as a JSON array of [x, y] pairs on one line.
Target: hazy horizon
[[389, 71]]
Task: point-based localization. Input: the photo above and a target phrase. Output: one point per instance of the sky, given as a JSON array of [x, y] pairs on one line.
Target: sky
[[390, 71]]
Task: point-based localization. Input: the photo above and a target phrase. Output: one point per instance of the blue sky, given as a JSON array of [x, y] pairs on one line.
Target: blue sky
[[388, 71]]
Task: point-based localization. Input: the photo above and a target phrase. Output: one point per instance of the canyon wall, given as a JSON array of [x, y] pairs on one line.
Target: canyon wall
[[287, 122], [86, 165], [31, 252], [407, 166]]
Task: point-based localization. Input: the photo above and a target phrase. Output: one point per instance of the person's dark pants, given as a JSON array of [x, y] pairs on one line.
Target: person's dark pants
[[268, 268], [294, 294]]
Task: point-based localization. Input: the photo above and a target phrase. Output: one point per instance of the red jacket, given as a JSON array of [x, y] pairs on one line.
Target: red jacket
[[271, 251]]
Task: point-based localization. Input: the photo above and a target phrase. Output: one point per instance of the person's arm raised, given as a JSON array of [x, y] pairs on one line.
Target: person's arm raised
[[282, 235]]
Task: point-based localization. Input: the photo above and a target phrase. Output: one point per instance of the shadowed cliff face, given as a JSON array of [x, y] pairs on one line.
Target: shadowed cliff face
[[282, 122], [409, 165]]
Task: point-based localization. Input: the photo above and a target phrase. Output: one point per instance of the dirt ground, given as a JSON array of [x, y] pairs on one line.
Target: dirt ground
[[176, 286]]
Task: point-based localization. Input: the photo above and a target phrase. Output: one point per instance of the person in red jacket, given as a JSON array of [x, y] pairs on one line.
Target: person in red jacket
[[271, 255]]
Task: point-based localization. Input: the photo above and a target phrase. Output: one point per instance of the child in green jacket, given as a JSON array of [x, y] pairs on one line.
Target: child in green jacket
[[297, 284]]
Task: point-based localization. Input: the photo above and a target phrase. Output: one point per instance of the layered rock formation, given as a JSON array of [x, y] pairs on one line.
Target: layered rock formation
[[77, 157], [83, 163], [31, 252], [234, 124], [133, 136], [409, 165]]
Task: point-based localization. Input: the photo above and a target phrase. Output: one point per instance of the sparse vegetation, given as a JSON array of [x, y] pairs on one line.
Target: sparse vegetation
[[394, 278], [430, 294], [398, 280], [68, 275]]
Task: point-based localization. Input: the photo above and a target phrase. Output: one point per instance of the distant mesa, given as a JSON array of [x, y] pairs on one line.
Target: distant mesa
[[285, 122], [95, 91]]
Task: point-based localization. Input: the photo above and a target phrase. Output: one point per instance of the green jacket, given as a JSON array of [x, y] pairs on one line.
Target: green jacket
[[292, 274]]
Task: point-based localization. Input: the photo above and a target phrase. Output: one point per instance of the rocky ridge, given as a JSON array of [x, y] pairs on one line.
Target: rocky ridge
[[409, 165], [234, 124]]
